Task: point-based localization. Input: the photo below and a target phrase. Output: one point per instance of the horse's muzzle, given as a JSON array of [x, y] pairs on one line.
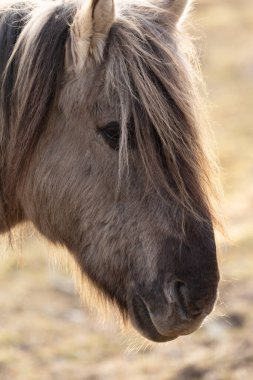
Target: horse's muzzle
[[182, 292], [176, 312]]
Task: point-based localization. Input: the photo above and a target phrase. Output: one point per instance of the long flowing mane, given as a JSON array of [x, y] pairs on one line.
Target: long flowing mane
[[145, 64], [32, 42]]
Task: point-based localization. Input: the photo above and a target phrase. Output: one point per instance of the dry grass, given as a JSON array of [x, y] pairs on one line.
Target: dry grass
[[45, 332]]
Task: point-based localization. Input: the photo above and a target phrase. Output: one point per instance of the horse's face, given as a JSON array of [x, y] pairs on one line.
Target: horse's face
[[147, 252]]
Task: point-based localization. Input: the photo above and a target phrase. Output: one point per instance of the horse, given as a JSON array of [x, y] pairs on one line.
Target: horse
[[102, 149]]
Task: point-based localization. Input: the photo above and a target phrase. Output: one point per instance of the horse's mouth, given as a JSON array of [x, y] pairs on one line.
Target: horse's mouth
[[152, 329], [142, 321]]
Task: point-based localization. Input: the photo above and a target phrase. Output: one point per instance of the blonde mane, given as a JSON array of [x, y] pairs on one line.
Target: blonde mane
[[154, 70]]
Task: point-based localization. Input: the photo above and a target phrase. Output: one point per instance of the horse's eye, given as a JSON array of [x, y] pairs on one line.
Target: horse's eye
[[111, 134]]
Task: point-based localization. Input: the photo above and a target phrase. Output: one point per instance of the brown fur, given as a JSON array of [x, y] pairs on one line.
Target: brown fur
[[73, 70]]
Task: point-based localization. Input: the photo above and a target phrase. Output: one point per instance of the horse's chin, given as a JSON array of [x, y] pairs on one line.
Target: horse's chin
[[150, 332], [158, 338]]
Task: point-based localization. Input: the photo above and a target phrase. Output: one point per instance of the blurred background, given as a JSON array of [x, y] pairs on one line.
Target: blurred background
[[45, 331]]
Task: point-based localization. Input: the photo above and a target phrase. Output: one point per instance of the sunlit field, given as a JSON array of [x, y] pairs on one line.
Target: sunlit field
[[46, 333]]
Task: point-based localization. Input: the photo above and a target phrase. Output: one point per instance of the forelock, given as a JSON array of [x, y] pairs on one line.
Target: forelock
[[150, 67]]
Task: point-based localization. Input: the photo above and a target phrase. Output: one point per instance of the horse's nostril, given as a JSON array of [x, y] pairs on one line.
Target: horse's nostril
[[180, 291], [182, 298]]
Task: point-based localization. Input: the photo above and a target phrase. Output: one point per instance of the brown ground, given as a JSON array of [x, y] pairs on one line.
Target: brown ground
[[45, 332]]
